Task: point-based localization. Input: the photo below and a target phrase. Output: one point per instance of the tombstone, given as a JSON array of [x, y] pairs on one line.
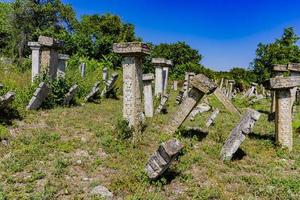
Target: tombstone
[[35, 59], [94, 94], [200, 108], [105, 75], [278, 71], [186, 84], [175, 85], [159, 64], [6, 99], [257, 98], [148, 98], [283, 114], [226, 102], [49, 55], [40, 94], [160, 161], [201, 85], [294, 69], [239, 133], [221, 83], [230, 88], [1, 86], [133, 53], [82, 70], [70, 95], [110, 84], [212, 118], [179, 97], [166, 67], [161, 106], [62, 64]]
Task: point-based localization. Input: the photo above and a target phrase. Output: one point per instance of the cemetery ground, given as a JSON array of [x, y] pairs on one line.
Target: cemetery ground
[[65, 152]]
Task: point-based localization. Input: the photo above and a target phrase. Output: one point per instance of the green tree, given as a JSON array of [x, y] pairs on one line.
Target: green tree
[[5, 26], [282, 51]]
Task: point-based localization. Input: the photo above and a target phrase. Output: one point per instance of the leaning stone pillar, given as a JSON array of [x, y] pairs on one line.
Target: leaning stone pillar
[[35, 57], [148, 99], [133, 53], [201, 85], [283, 114], [159, 63], [166, 75]]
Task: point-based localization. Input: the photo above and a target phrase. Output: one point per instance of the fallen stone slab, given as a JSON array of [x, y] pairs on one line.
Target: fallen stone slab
[[110, 84], [239, 133], [95, 92], [160, 161], [39, 96], [7, 99], [226, 102], [201, 108], [212, 118], [70, 95], [162, 104]]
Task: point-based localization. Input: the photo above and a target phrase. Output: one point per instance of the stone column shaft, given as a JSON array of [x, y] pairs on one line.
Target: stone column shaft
[[148, 99], [158, 80], [35, 56]]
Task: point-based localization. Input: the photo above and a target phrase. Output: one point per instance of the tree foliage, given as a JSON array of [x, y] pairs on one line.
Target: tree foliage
[[282, 51]]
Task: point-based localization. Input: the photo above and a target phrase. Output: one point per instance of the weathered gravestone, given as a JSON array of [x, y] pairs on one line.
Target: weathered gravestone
[[166, 67], [70, 95], [212, 117], [133, 53], [6, 99], [160, 161], [225, 101], [39, 96], [159, 64], [230, 88], [175, 85], [239, 133], [201, 85], [109, 85], [162, 105], [82, 69], [179, 97], [62, 63], [200, 108], [94, 94], [294, 69], [148, 97], [35, 59], [283, 114], [105, 75]]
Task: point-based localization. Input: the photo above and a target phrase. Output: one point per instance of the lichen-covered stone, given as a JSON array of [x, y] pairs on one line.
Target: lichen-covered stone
[[40, 94]]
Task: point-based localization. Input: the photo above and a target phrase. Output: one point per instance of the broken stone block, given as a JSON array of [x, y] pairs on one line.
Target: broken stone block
[[212, 118], [94, 94], [225, 101], [110, 84], [201, 108], [39, 96], [70, 95], [201, 85], [162, 104], [7, 99], [50, 42], [239, 133], [160, 161]]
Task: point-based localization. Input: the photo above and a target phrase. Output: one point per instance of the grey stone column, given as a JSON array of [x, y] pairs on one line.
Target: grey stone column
[[159, 64], [82, 69], [169, 63], [49, 55], [62, 64], [148, 98], [283, 114], [35, 57], [201, 85], [133, 53]]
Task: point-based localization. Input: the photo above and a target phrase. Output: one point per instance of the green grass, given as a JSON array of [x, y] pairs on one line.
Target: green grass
[[63, 153]]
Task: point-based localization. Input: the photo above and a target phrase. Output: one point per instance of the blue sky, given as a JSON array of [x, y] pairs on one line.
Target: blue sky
[[226, 32]]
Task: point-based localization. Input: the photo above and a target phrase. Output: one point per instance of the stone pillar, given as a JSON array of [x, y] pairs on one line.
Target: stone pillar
[[62, 64], [229, 93], [159, 64], [166, 67], [133, 53], [148, 99], [82, 70], [283, 114], [278, 71], [201, 86], [49, 55], [221, 84], [104, 75], [35, 57], [175, 85]]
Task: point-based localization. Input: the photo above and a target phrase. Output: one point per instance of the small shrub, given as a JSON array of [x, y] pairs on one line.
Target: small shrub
[[124, 131]]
